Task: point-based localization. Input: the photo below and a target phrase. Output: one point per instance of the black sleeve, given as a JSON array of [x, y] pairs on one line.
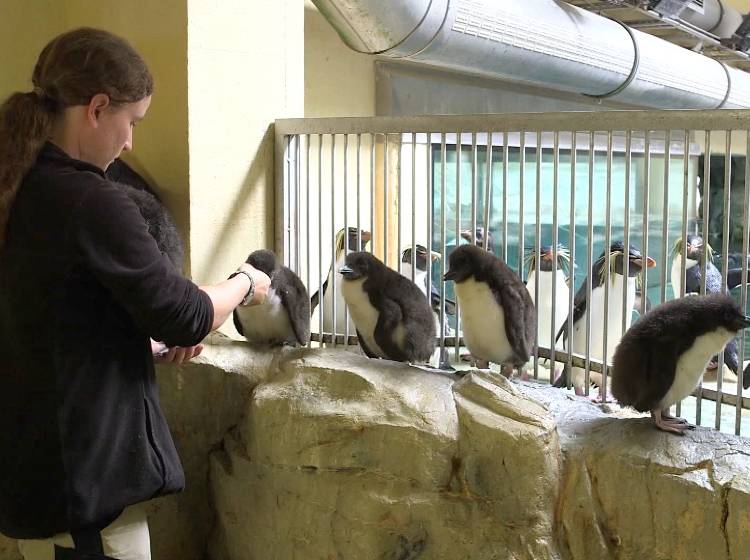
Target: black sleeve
[[112, 240]]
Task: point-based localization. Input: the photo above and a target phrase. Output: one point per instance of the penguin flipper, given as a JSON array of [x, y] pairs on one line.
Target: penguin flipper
[[731, 356], [746, 377], [369, 353], [734, 278], [315, 299], [296, 301], [520, 330], [237, 323], [390, 317]]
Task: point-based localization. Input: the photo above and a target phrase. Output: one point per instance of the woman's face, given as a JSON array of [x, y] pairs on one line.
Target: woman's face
[[114, 133]]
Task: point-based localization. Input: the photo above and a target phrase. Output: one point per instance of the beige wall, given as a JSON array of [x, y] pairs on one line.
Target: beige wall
[[246, 68], [742, 6], [338, 81]]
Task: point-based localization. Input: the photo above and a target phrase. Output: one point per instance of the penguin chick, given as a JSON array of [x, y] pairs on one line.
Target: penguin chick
[[661, 359], [499, 319], [284, 318], [392, 317]]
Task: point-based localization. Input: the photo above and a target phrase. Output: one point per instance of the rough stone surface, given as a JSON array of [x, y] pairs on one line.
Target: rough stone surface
[[324, 454]]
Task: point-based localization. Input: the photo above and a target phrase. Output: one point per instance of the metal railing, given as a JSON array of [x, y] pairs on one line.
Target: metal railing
[[515, 184]]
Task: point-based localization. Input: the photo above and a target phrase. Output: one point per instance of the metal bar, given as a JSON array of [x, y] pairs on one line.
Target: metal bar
[[704, 235], [297, 199], [346, 228], [725, 259], [589, 264], [430, 211], [359, 193], [555, 188], [626, 310], [521, 200], [399, 203], [321, 302], [533, 122], [474, 160], [457, 350], [386, 232], [414, 215], [504, 199], [571, 244], [685, 176], [607, 265], [332, 287], [442, 247], [665, 217], [743, 283], [488, 191], [308, 228], [373, 141], [537, 237], [646, 216]]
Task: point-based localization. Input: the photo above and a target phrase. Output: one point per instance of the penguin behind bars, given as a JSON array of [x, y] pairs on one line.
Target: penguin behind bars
[[420, 279], [347, 240], [284, 318], [612, 314], [549, 274], [499, 319], [695, 256], [661, 359], [393, 319], [479, 234]]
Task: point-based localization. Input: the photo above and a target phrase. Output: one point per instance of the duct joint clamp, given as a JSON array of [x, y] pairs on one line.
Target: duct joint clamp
[[633, 70]]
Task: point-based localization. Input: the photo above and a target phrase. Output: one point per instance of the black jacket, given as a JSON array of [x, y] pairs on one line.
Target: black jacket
[[82, 287]]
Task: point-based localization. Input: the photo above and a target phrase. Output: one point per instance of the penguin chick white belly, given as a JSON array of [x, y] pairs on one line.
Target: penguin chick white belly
[[692, 364], [544, 307], [363, 313], [267, 322], [483, 322], [333, 293]]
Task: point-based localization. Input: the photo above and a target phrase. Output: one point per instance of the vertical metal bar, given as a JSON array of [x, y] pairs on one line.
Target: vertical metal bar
[[537, 237], [685, 176], [399, 202], [571, 247], [430, 217], [488, 191], [320, 239], [386, 232], [504, 199], [414, 215], [359, 192], [626, 311], [287, 202], [607, 267], [442, 247], [308, 229], [346, 229], [332, 287], [743, 284], [474, 188], [521, 199], [704, 235], [555, 188], [589, 264], [646, 221], [457, 351], [298, 199], [724, 263], [665, 217], [374, 140]]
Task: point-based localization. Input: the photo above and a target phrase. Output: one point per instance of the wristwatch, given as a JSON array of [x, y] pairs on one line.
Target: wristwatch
[[250, 292]]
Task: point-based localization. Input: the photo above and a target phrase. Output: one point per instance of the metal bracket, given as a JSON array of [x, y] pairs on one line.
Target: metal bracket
[[671, 8]]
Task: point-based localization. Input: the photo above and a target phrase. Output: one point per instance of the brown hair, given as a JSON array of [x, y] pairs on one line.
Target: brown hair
[[70, 70]]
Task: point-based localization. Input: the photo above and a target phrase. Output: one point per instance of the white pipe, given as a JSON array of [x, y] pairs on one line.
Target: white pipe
[[542, 42]]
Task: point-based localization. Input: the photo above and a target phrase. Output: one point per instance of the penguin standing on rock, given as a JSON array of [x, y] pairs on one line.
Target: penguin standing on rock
[[347, 240], [499, 319], [661, 359], [392, 317], [284, 318], [612, 314], [549, 274]]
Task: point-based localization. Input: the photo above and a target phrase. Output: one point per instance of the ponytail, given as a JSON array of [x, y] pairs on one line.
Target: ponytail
[[25, 124]]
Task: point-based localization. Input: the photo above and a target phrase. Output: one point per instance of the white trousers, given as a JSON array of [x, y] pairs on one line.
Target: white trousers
[[126, 538]]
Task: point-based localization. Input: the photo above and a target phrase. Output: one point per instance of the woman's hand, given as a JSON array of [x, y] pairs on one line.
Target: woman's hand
[[174, 355]]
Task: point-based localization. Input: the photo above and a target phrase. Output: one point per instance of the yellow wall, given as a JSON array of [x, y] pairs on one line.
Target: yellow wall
[[743, 6], [338, 80]]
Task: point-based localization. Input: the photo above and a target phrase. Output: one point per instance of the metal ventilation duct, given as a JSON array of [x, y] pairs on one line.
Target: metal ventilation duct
[[542, 42]]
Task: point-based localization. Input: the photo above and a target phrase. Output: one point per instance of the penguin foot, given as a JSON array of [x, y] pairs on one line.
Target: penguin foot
[[669, 423], [506, 370]]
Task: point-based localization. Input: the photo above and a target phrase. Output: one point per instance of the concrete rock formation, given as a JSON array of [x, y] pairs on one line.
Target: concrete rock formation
[[324, 454]]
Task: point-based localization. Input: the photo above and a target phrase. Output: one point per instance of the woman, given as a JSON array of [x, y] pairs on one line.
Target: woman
[[82, 288]]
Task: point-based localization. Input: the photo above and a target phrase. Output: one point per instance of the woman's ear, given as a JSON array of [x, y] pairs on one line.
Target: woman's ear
[[96, 105]]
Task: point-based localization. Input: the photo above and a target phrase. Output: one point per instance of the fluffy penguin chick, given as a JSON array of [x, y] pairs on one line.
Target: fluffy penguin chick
[[662, 357], [284, 318], [499, 319], [392, 317]]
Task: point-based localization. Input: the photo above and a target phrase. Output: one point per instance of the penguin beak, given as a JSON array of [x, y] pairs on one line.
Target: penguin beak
[[650, 263], [450, 275], [747, 321], [345, 270], [365, 236]]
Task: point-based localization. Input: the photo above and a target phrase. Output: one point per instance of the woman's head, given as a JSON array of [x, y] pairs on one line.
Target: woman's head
[[88, 71]]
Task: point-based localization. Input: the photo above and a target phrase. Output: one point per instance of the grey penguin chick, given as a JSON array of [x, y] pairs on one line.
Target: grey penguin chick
[[499, 318], [284, 318], [660, 360], [392, 317]]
